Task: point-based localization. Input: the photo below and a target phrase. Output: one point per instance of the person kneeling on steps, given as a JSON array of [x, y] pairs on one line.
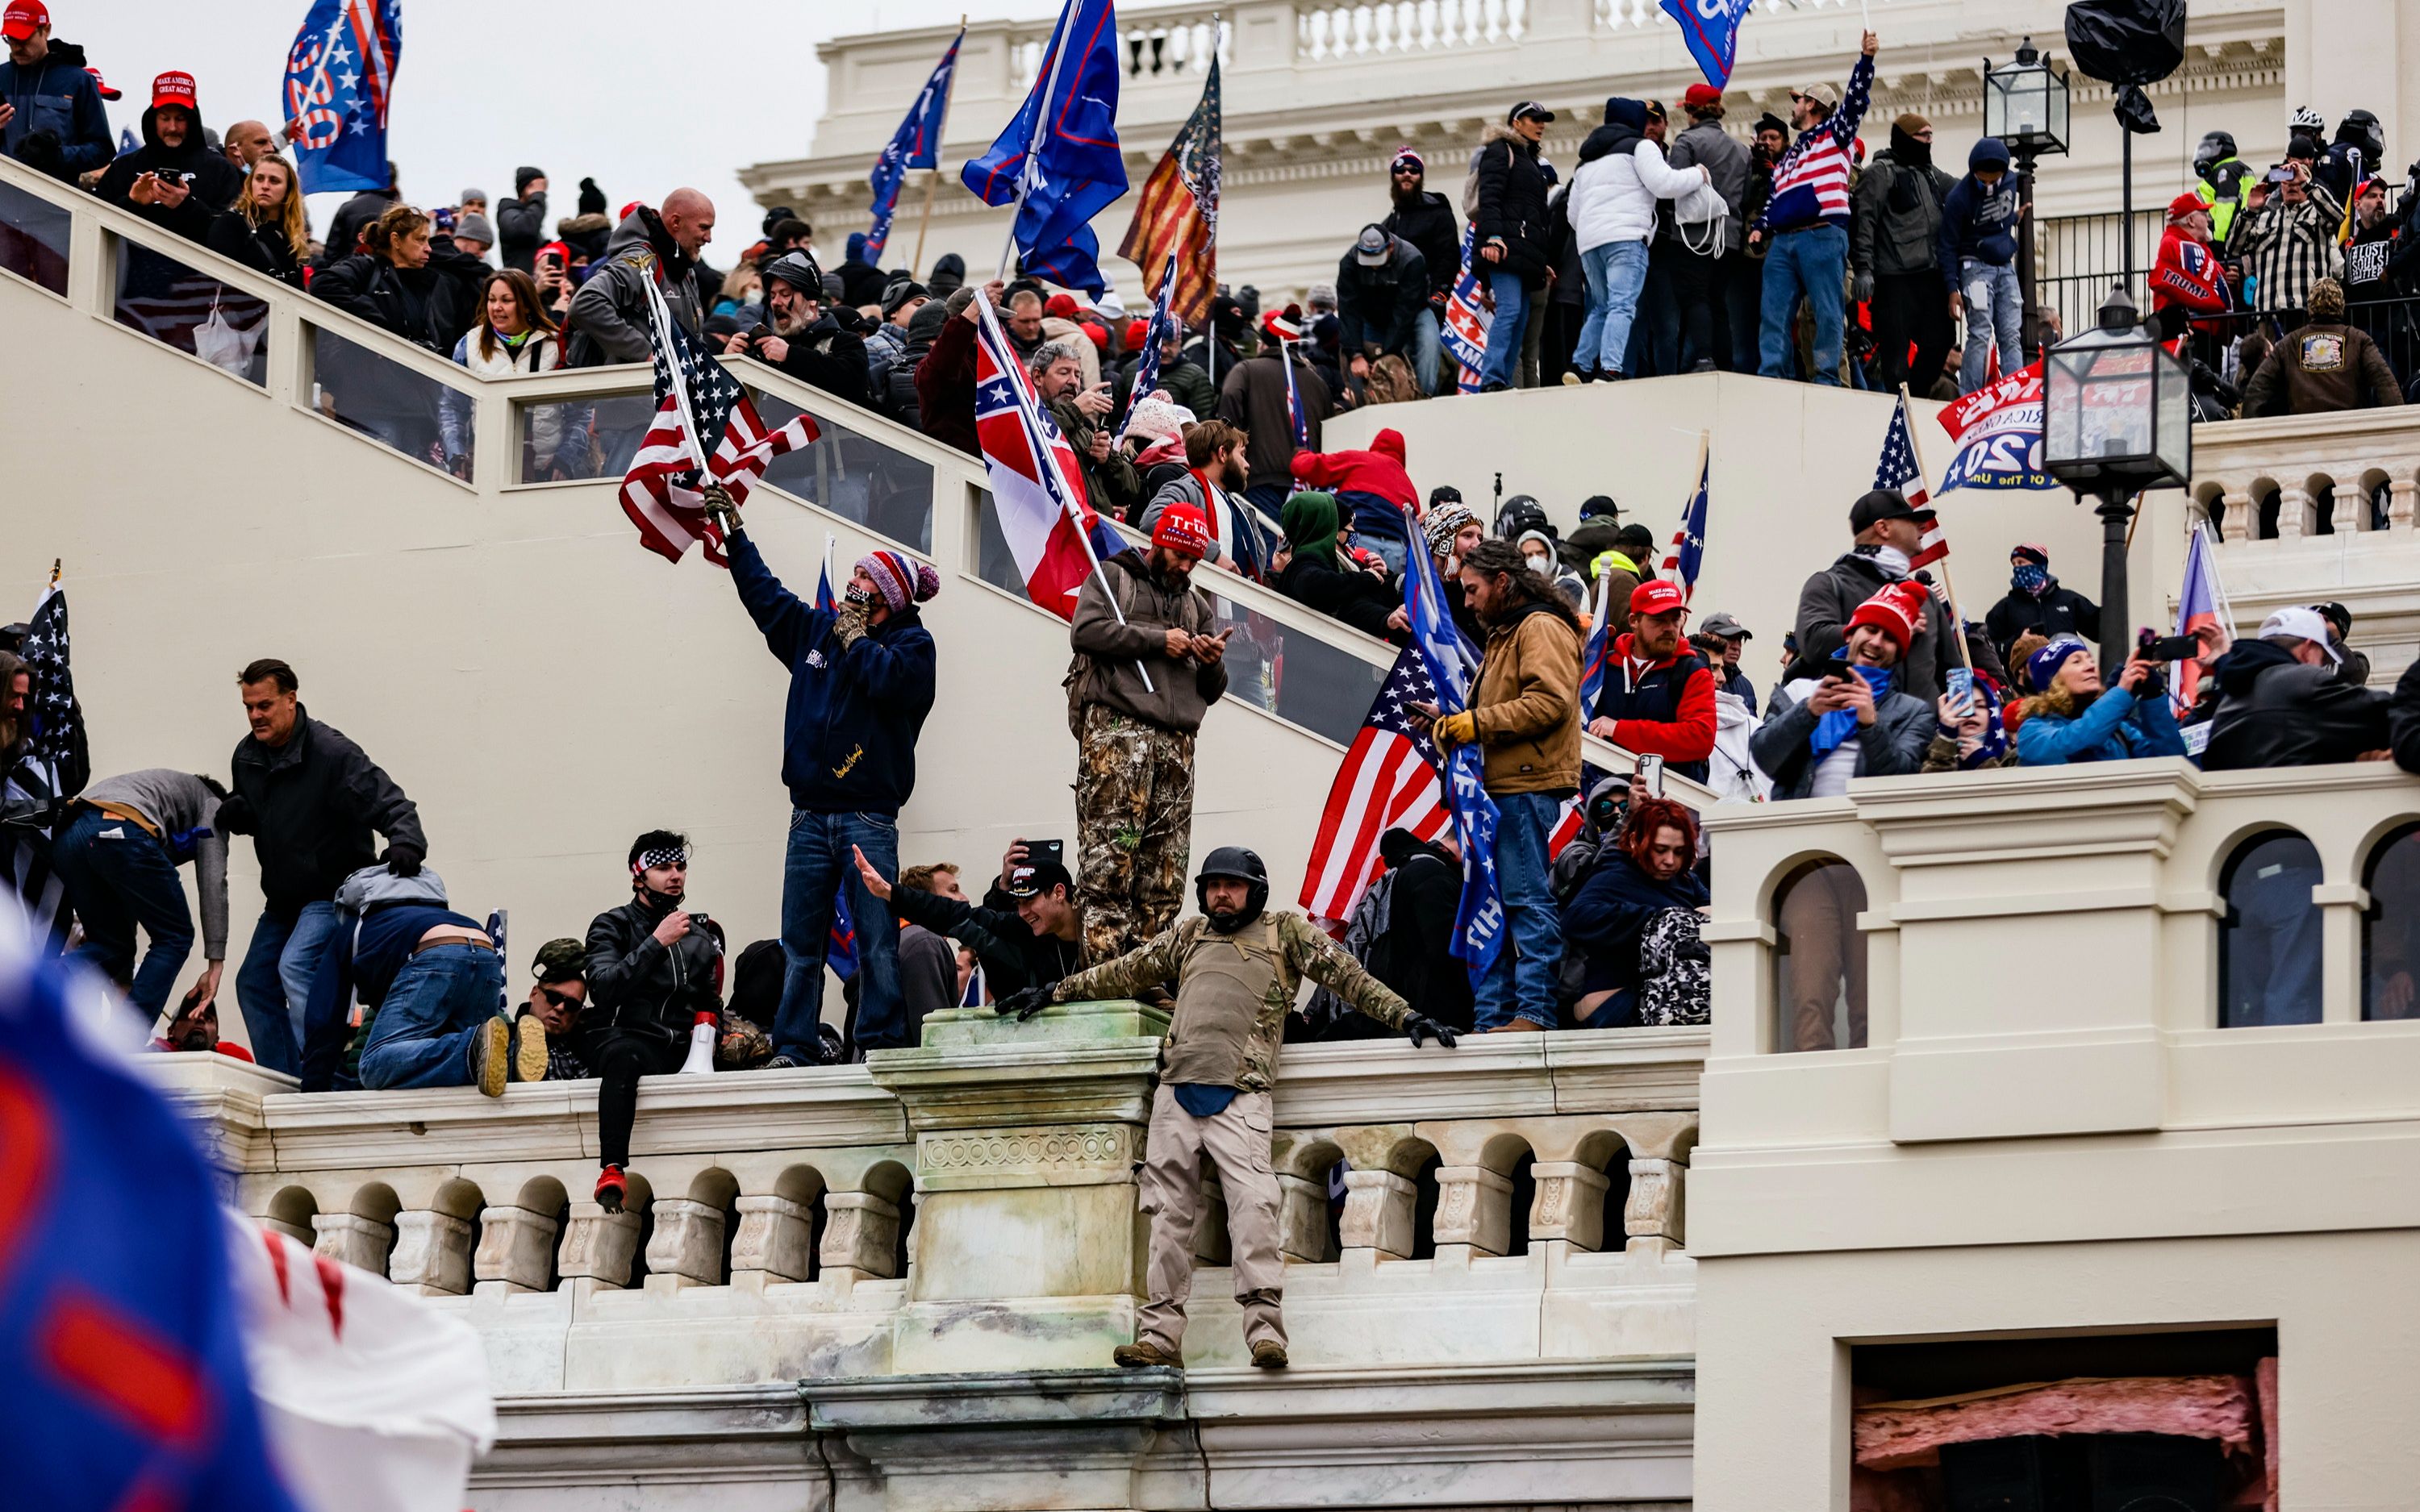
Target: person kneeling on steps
[[1236, 970]]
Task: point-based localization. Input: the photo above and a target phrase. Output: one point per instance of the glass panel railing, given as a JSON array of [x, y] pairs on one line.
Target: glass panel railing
[[564, 440], [193, 311], [855, 476], [1294, 675], [33, 239], [397, 406]]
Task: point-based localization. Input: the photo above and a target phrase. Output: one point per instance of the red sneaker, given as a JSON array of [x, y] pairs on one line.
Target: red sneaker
[[611, 1189]]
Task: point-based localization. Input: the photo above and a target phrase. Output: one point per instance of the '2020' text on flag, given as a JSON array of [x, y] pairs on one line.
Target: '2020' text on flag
[[1998, 432], [340, 83]]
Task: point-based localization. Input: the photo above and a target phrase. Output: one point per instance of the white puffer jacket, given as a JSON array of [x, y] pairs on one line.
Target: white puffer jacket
[[539, 354], [1613, 197]]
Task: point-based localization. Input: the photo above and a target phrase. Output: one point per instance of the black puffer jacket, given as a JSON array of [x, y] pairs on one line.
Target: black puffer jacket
[[637, 984], [2057, 611], [1513, 185], [2276, 711], [430, 306], [1428, 221], [263, 246], [215, 184], [310, 807]]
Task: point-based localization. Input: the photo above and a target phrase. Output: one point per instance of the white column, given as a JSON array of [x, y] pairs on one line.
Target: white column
[[775, 1241], [1652, 1218], [1570, 1204], [515, 1250], [686, 1249], [355, 1239], [1378, 1213], [860, 1235], [432, 1252]]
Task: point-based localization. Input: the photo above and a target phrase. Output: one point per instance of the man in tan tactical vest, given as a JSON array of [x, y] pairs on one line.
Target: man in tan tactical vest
[[1236, 969]]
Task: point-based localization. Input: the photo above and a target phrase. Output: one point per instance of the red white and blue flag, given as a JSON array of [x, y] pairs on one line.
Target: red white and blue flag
[[2203, 603], [916, 145], [1465, 332], [1163, 324], [339, 84], [840, 950], [1710, 30], [1689, 550], [1037, 485], [1295, 418], [701, 412], [1998, 432], [1898, 468], [1388, 782]]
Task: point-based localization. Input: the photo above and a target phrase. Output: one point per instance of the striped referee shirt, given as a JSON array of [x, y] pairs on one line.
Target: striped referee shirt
[[1810, 183], [2288, 248]]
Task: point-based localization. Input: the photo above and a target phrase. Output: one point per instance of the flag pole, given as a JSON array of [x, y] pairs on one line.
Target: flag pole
[[662, 316], [933, 181], [1947, 586], [1034, 149], [1705, 445]]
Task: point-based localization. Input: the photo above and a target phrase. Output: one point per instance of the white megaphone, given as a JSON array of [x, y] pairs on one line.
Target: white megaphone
[[700, 1046]]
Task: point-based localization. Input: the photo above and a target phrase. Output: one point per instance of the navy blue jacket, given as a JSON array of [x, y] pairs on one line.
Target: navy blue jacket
[[56, 95], [1604, 918], [1978, 223], [849, 737]]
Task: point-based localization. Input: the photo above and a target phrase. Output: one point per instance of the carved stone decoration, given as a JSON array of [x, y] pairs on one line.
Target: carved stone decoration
[[353, 1240], [1067, 1155], [1474, 1207], [2237, 524], [1210, 1246], [860, 1234], [776, 1237], [515, 1248], [1378, 1213], [1653, 1212], [2399, 495], [1570, 1204], [687, 1245], [432, 1250], [1302, 1220], [598, 1247]]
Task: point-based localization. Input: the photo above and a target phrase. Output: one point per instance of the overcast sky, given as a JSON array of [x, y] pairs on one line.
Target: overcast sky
[[586, 89]]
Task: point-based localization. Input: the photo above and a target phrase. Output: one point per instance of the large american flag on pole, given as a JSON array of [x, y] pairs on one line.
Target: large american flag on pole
[[51, 769], [701, 412], [1898, 468], [1388, 782], [1037, 485]]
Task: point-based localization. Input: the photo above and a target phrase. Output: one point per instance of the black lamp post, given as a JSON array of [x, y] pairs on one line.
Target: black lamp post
[[2025, 105], [2116, 419]]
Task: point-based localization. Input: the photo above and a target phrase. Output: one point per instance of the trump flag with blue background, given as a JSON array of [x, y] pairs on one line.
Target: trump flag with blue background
[[1059, 160], [339, 84], [916, 145], [1709, 29]]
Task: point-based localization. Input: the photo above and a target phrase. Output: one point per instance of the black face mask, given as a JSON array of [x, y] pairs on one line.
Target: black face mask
[[657, 902]]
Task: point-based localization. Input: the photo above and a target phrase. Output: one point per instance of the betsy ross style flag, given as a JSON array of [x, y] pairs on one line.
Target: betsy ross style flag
[[1388, 782], [1037, 486], [915, 144], [1058, 161], [1710, 30], [1898, 468], [339, 84], [1178, 213], [701, 413]]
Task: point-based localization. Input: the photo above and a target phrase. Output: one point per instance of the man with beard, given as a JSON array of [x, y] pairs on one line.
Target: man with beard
[[1082, 413], [1213, 478], [1428, 221], [609, 314], [174, 179], [1146, 670], [655, 972], [1237, 970], [811, 344]]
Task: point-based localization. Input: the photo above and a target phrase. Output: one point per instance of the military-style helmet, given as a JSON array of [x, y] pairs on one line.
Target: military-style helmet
[[1242, 866], [1520, 513], [799, 272]]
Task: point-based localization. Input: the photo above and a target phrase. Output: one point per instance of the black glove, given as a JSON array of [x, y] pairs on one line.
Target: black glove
[[39, 150], [1417, 1025], [403, 860], [1024, 1004], [235, 817]]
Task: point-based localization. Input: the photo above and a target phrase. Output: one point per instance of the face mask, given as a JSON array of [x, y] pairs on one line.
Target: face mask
[[2028, 578], [1540, 565], [1892, 561], [859, 595]]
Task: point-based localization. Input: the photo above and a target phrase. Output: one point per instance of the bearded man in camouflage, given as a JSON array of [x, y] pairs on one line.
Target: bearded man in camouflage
[[1237, 969]]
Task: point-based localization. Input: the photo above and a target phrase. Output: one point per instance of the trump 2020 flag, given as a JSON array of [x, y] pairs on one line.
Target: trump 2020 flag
[[1036, 484], [1998, 432], [339, 83], [1710, 30], [913, 146], [1464, 336], [1478, 919], [1057, 162]]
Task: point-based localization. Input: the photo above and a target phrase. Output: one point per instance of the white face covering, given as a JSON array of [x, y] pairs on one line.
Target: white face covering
[[1543, 565], [1892, 561]]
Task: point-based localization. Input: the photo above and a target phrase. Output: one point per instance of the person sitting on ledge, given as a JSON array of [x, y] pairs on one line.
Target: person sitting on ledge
[[555, 1002], [1027, 931], [1236, 968]]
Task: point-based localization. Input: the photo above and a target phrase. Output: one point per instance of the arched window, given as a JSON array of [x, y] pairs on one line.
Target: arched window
[[2269, 940], [2390, 929], [1820, 958]]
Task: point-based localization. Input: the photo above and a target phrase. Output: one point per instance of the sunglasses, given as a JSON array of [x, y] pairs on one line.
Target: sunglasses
[[556, 999]]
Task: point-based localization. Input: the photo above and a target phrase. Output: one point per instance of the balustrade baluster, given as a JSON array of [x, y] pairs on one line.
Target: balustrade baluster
[[432, 1252], [515, 1250], [862, 1235]]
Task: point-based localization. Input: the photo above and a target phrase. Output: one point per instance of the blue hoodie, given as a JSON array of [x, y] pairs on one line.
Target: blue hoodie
[[848, 736], [1978, 223]]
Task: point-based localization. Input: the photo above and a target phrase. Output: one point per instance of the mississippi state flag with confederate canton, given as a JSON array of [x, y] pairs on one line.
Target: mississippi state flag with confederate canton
[[660, 492], [1037, 485]]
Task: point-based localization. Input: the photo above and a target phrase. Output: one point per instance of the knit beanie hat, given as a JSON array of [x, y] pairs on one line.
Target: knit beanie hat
[[900, 578], [1911, 123], [1894, 612], [476, 227], [1155, 417], [2027, 551], [1445, 522], [592, 199], [522, 176], [2044, 663]]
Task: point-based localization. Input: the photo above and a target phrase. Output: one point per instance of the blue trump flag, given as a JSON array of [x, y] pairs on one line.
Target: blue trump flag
[[1059, 160], [917, 143], [840, 948], [339, 84], [1709, 29], [1478, 919], [119, 1390]]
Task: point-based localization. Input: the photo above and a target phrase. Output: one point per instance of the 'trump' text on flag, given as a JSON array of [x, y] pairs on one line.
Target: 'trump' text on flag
[[1058, 161], [339, 85]]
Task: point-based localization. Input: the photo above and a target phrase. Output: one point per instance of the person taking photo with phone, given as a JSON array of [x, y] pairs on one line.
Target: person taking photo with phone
[[1084, 413], [1855, 720], [2072, 718]]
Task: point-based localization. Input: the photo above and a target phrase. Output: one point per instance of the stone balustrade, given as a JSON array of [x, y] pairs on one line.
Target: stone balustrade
[[2290, 478]]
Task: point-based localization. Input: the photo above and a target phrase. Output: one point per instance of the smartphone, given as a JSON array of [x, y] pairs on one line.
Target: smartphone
[[1650, 775], [2167, 647], [1052, 850], [2281, 176], [1962, 688]]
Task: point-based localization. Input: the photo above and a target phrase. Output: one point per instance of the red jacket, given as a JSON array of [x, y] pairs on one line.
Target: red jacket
[[1687, 737], [1378, 471], [2186, 272], [945, 387]]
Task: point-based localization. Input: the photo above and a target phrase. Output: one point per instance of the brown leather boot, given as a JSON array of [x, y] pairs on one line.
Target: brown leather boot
[[1144, 1354], [1269, 1354]]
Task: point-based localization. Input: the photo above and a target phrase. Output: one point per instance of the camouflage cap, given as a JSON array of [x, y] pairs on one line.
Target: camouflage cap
[[565, 960]]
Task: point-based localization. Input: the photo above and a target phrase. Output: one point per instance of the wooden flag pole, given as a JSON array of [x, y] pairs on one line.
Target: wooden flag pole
[[1959, 627]]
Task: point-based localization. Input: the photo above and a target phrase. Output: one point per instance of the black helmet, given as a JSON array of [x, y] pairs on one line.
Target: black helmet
[[1521, 512], [2216, 147], [1241, 865], [799, 272], [2360, 128]]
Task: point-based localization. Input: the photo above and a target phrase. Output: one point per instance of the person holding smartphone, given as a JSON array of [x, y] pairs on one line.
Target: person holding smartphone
[[174, 179], [2072, 718], [1853, 718]]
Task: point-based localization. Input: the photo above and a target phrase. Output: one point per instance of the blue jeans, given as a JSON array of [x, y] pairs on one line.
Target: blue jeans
[[422, 1034], [1427, 355], [1811, 264], [117, 877], [817, 866], [1995, 314], [1507, 330], [1616, 271], [273, 985], [1521, 983]]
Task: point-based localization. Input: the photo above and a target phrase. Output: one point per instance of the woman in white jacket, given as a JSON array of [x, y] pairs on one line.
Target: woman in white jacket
[[514, 335], [1620, 176]]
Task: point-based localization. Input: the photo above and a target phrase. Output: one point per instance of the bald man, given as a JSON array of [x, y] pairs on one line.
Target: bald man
[[609, 315]]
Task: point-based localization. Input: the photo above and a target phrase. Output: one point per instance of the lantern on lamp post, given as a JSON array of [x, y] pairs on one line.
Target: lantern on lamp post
[[2116, 419], [2025, 105]]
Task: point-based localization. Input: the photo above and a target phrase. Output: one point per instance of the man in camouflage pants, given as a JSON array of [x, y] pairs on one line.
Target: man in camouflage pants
[[1237, 969], [1146, 670]]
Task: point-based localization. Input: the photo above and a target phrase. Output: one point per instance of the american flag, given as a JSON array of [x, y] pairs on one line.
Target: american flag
[[1465, 323], [1294, 398], [52, 769], [1898, 468], [1388, 782], [169, 302], [1177, 213], [696, 399], [1163, 322], [1688, 551]]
